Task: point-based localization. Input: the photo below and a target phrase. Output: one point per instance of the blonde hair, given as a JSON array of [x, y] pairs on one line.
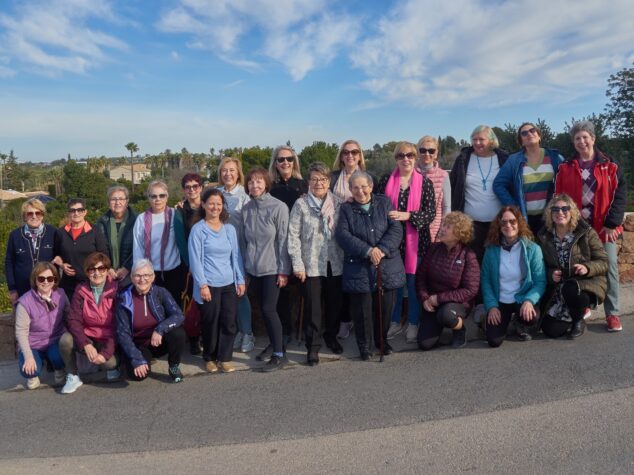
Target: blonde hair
[[238, 163], [575, 215], [339, 163], [33, 203], [462, 226], [275, 175]]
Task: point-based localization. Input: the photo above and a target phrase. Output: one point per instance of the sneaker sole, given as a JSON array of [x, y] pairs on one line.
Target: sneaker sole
[[614, 330], [74, 389]]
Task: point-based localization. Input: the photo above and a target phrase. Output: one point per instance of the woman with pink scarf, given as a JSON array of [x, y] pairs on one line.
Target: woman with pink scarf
[[412, 196]]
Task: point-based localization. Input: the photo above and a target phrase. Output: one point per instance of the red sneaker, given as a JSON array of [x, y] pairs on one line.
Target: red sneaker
[[614, 323], [587, 313]]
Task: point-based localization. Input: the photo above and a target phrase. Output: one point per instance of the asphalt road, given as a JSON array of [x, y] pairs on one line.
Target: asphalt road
[[555, 406]]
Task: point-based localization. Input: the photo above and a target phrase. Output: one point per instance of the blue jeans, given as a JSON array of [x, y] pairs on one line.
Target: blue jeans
[[611, 302], [413, 306], [244, 315], [52, 354]]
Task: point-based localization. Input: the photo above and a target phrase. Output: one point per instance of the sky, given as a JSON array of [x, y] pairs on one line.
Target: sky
[[86, 77]]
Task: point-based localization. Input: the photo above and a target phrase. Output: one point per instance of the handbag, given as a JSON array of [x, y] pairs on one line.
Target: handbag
[[190, 310]]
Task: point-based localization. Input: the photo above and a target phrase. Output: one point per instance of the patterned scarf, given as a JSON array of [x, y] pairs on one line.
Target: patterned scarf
[[325, 208], [34, 234], [342, 187]]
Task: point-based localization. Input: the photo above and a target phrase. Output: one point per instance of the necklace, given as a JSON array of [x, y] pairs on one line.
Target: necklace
[[482, 177]]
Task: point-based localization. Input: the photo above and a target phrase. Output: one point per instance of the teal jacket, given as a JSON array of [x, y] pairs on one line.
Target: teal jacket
[[533, 270]]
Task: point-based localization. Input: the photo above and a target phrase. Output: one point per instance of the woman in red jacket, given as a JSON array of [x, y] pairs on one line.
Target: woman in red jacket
[[91, 323]]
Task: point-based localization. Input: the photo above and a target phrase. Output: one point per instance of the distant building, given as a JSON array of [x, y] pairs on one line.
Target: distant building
[[140, 172]]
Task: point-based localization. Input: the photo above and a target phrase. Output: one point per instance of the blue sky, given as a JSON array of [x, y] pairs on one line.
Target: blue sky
[[86, 77]]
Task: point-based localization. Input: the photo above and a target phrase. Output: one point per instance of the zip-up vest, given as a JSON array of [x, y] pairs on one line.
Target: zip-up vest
[[47, 326]]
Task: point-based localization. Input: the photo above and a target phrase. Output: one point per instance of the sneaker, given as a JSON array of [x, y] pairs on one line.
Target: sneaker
[[248, 343], [577, 329], [175, 373], [459, 337], [226, 367], [73, 383], [237, 342], [614, 323], [60, 376], [33, 383], [344, 330], [587, 314], [395, 329], [411, 333], [211, 367], [522, 333], [265, 354], [275, 363], [113, 375]]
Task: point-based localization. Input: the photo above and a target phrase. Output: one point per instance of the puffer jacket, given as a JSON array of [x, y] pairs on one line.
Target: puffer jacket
[[588, 250], [358, 231]]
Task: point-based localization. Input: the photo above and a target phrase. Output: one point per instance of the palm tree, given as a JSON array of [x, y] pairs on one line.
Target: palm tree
[[132, 148]]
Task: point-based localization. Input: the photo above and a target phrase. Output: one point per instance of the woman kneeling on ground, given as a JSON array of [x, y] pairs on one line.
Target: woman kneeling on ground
[[149, 324], [576, 267], [39, 324], [91, 326], [513, 276], [447, 282]]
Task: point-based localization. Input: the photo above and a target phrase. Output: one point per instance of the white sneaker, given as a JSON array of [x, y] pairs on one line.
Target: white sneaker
[[60, 376], [237, 342], [33, 383], [72, 384], [411, 334], [248, 343], [395, 329], [344, 330]]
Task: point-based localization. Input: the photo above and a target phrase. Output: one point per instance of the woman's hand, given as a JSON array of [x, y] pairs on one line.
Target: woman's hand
[[205, 293], [156, 339], [580, 269], [494, 317], [557, 276], [112, 273], [68, 270], [99, 359], [122, 273], [29, 367], [528, 312], [91, 352], [611, 234], [301, 276], [13, 295], [399, 215], [431, 303], [57, 260], [376, 255], [240, 289], [282, 280], [141, 371]]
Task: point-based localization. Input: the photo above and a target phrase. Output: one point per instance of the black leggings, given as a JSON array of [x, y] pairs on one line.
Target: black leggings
[[267, 292], [431, 323], [576, 300], [173, 344], [496, 333]]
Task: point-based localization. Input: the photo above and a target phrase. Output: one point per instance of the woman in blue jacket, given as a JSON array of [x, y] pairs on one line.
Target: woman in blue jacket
[[527, 179], [513, 276]]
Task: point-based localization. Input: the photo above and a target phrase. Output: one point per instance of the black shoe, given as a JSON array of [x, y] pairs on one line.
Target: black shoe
[[387, 349], [366, 355], [522, 333], [265, 354], [275, 363], [459, 338], [334, 346], [194, 346], [175, 373], [577, 329], [312, 359]]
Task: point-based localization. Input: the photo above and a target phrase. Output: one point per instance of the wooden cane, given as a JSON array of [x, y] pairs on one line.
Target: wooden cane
[[379, 309]]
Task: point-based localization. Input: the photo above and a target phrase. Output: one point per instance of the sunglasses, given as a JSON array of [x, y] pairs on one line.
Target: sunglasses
[[354, 152], [101, 269], [33, 214], [423, 150], [76, 210], [49, 278], [557, 209], [403, 156], [290, 159], [161, 196], [532, 130], [506, 222], [191, 187]]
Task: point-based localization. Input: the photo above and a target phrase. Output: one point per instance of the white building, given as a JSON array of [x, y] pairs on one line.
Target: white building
[[140, 172]]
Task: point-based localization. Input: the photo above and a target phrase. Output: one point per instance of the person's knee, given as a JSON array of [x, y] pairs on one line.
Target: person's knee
[[66, 343], [495, 342], [448, 317], [427, 344]]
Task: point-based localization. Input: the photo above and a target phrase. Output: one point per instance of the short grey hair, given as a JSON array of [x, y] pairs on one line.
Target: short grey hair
[[319, 167], [582, 126], [361, 174], [115, 188], [493, 139], [155, 183], [142, 263]]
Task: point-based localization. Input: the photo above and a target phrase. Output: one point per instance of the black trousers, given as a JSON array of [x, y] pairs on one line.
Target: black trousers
[[363, 308], [173, 345], [173, 280], [480, 231], [267, 292], [496, 333], [316, 290], [218, 323], [576, 300], [432, 323]]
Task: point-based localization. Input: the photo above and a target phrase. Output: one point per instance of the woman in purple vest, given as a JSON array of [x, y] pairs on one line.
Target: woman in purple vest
[[39, 324]]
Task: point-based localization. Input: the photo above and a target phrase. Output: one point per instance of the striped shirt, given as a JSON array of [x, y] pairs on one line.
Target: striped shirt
[[538, 181]]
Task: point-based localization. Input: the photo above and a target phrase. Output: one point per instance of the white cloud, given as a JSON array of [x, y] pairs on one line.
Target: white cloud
[[175, 56], [52, 37], [302, 35], [233, 84], [493, 53]]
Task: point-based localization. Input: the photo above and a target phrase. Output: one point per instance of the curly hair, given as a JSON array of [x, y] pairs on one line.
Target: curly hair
[[495, 230], [208, 193], [462, 226], [575, 215]]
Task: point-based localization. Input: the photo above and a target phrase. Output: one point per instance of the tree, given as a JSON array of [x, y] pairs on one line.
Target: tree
[[132, 148], [619, 111], [318, 151]]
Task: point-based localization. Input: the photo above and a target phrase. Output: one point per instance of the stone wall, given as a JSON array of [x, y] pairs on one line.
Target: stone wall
[[626, 256], [7, 337]]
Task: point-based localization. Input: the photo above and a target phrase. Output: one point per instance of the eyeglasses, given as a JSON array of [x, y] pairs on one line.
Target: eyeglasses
[[318, 181], [290, 159], [33, 214], [161, 196], [193, 187], [46, 278], [100, 269], [508, 222], [142, 276], [354, 152], [532, 130], [423, 150], [557, 209], [115, 200], [76, 210], [403, 156]]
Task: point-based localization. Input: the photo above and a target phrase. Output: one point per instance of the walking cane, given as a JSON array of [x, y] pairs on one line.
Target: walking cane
[[379, 309]]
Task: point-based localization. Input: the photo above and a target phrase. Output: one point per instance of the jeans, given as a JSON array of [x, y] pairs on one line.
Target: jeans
[[51, 353], [244, 315], [413, 305], [611, 302]]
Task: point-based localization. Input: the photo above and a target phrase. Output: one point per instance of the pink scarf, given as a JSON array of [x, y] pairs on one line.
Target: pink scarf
[[392, 190]]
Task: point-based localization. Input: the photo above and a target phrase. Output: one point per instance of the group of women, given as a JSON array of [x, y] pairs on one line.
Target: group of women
[[529, 235]]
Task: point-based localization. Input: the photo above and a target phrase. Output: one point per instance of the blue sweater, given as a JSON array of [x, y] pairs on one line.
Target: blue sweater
[[509, 182], [533, 271]]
